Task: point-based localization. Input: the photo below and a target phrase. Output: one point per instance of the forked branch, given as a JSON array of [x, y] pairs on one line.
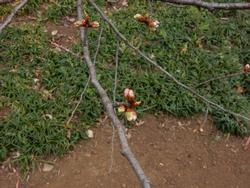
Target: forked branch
[[126, 151], [169, 75]]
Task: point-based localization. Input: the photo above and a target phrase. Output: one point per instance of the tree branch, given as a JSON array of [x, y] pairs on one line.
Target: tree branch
[[109, 106], [210, 5], [12, 14], [191, 90]]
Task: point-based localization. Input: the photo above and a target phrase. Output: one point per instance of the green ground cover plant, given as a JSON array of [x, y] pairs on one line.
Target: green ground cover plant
[[194, 45]]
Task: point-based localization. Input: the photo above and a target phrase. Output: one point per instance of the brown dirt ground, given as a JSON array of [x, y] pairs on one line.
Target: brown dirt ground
[[172, 152], [67, 34]]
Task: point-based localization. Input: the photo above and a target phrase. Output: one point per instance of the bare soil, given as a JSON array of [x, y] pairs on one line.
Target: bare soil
[[67, 34], [173, 153]]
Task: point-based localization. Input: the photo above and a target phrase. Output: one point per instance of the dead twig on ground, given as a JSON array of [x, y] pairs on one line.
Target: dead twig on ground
[[204, 121], [87, 83], [126, 151], [65, 49], [169, 75], [220, 78], [78, 103], [12, 14]]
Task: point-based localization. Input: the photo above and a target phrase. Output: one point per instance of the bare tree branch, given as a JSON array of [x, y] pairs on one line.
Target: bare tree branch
[[12, 14], [5, 1], [210, 5], [126, 151], [191, 90], [114, 101]]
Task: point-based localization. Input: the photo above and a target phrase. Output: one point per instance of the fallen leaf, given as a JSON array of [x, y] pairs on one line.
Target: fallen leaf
[[70, 19], [90, 133], [49, 116], [47, 167], [54, 32], [46, 94], [69, 134], [239, 89], [16, 154], [184, 49]]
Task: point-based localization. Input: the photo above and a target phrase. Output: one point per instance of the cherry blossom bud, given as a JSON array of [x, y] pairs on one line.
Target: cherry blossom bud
[[246, 68], [129, 94], [122, 108], [80, 23], [130, 114], [137, 16], [94, 24], [136, 103]]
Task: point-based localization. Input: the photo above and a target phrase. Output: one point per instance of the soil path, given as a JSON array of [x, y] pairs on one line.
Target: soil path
[[171, 151]]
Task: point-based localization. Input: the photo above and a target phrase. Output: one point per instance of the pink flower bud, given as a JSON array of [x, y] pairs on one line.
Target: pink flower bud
[[246, 68], [129, 94], [122, 108], [130, 114]]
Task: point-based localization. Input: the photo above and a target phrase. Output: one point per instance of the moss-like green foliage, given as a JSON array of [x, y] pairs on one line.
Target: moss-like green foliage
[[194, 45]]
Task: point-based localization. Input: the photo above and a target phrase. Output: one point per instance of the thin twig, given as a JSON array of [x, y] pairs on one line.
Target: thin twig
[[220, 78], [85, 87], [116, 70], [87, 83], [98, 45], [12, 14], [146, 109], [210, 5], [126, 151], [78, 103], [65, 49], [205, 120], [191, 90]]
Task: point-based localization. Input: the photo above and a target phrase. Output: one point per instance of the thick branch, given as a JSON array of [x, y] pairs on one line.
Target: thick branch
[[12, 14], [191, 90], [109, 106], [210, 5]]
